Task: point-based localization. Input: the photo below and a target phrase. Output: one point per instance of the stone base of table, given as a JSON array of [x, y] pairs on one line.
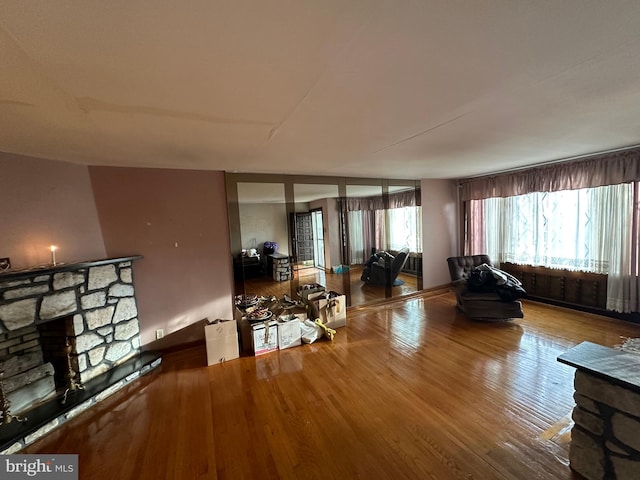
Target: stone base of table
[[605, 440]]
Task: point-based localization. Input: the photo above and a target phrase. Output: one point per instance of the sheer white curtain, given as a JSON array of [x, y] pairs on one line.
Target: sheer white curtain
[[404, 226], [380, 232], [550, 229], [612, 238], [356, 237], [634, 265]]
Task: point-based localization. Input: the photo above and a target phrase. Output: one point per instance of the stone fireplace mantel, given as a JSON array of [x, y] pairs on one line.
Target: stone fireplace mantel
[[18, 274]]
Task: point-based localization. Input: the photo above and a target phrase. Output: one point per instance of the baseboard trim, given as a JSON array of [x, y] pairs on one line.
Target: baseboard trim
[[627, 317], [426, 293]]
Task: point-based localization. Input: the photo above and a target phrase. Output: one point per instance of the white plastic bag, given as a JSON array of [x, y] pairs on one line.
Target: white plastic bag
[[310, 331]]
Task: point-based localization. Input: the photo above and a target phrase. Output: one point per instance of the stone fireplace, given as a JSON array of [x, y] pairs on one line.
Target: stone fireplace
[[78, 320]]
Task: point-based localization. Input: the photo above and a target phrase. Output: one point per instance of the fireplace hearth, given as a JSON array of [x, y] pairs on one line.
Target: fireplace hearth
[[53, 413]]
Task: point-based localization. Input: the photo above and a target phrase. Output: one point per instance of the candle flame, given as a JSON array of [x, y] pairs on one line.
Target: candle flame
[[53, 248]]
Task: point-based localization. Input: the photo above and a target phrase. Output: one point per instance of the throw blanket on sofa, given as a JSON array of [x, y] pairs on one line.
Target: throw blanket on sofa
[[487, 279]]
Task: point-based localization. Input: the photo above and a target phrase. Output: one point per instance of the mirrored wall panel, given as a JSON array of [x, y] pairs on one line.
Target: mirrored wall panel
[[315, 227], [263, 239], [363, 243], [403, 238]]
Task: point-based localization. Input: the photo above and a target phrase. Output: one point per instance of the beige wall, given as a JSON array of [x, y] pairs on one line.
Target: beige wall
[[176, 219], [43, 203], [264, 222], [439, 230]]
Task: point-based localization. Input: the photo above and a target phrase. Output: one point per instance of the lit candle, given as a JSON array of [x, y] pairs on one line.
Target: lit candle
[[53, 254]]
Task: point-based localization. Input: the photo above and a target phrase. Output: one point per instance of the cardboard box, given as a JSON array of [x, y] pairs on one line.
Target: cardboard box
[[289, 334], [246, 340], [244, 330], [222, 341], [332, 311], [264, 337]]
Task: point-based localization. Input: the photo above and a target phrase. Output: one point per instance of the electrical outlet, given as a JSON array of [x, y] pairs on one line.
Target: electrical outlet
[[159, 333], [5, 264]]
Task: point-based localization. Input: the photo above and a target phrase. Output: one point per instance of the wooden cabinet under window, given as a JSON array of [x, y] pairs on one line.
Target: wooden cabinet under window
[[574, 288]]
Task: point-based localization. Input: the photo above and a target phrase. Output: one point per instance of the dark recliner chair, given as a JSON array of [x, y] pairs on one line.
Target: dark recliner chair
[[479, 306], [377, 274]]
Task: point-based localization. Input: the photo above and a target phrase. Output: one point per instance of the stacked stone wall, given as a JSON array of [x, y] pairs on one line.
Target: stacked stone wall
[[605, 441], [281, 269]]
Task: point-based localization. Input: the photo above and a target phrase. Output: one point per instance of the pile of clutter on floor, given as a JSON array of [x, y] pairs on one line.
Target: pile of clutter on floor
[[263, 324]]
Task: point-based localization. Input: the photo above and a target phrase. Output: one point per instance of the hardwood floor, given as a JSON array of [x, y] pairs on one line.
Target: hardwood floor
[[361, 293], [410, 389]]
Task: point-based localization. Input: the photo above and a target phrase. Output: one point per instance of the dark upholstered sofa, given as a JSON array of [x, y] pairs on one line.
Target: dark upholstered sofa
[[479, 306]]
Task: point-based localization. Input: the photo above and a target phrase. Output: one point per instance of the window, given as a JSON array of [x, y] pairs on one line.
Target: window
[[554, 229], [405, 225], [591, 229], [594, 229]]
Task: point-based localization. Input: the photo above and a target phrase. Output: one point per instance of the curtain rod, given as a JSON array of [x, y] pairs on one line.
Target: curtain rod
[[551, 162]]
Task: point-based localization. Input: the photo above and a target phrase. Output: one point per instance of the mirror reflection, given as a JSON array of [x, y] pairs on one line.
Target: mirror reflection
[[366, 244], [262, 267]]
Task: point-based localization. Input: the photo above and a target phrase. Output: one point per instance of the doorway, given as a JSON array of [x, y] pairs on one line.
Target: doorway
[[318, 238], [303, 244]]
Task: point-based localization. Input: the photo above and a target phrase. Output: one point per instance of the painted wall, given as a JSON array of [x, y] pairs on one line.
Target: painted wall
[[176, 219], [264, 222], [439, 230], [301, 207], [43, 203]]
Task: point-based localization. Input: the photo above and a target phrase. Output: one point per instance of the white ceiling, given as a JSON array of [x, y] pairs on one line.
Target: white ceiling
[[395, 89]]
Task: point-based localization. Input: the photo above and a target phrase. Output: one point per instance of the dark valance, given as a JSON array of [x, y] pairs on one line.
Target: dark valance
[[595, 171]]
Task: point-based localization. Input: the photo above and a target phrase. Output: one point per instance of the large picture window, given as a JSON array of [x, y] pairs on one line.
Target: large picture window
[[569, 229], [590, 229], [579, 215]]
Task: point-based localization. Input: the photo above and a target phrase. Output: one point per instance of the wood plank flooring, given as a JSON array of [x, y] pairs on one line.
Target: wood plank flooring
[[408, 390]]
